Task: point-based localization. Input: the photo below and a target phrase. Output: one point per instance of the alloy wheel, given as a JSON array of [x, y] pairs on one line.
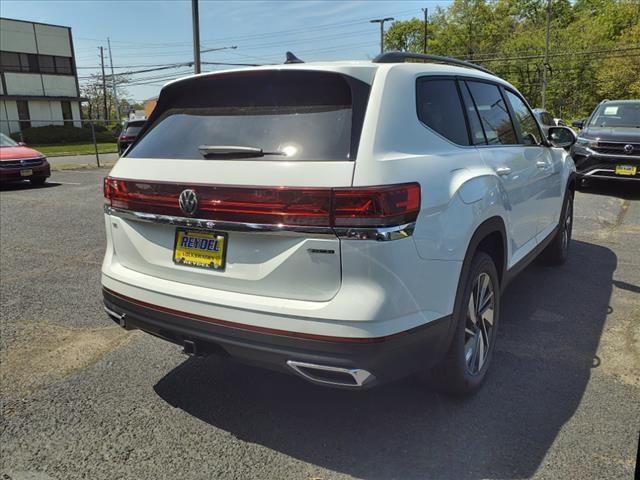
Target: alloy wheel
[[479, 324]]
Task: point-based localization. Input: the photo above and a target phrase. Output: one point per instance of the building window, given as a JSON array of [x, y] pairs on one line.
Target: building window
[[18, 62], [10, 61], [66, 113], [23, 114], [47, 64], [27, 62], [63, 65]]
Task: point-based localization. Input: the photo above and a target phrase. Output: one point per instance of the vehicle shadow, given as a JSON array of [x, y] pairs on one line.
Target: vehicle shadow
[[26, 185], [551, 325], [628, 190]]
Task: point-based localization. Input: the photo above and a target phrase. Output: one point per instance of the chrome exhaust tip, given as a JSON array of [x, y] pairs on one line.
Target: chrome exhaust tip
[[326, 375], [118, 317]]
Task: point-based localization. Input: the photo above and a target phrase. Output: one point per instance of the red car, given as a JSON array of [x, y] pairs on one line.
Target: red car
[[19, 162]]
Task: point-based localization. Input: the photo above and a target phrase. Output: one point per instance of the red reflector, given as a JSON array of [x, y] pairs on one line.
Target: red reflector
[[381, 206]]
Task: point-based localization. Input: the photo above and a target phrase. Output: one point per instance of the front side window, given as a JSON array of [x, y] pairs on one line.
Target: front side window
[[270, 115], [524, 120], [439, 108], [493, 113]]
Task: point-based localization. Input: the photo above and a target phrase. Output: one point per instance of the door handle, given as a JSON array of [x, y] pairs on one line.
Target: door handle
[[503, 171], [542, 165]]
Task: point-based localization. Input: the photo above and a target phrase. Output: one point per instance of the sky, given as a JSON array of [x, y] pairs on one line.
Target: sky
[[158, 33]]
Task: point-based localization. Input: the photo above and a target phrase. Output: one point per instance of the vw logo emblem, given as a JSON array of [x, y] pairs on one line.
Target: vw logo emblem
[[188, 201], [628, 148]]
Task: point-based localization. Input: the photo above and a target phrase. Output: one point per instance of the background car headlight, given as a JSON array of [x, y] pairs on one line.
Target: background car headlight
[[587, 142]]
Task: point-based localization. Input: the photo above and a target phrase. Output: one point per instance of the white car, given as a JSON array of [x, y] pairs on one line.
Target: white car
[[351, 222]]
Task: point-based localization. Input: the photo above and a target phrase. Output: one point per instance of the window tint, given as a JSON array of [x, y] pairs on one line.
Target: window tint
[[292, 115], [477, 133], [439, 108], [493, 114], [528, 126]]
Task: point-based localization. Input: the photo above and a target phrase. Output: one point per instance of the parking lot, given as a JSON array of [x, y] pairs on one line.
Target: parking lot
[[82, 398]]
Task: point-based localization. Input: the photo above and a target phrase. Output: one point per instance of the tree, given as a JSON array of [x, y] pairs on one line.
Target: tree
[[93, 91], [586, 61]]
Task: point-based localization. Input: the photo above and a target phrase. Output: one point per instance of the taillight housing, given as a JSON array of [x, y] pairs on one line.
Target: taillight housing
[[378, 206]]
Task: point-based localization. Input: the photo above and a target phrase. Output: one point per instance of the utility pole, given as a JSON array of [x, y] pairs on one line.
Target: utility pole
[[545, 65], [113, 82], [104, 84], [195, 18], [381, 22], [426, 33]]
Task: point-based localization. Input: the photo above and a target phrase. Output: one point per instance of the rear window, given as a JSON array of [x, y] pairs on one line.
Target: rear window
[[133, 129], [289, 115]]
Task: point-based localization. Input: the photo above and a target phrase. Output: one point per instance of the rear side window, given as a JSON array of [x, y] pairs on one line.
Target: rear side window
[[493, 113], [288, 115], [439, 107], [529, 130]]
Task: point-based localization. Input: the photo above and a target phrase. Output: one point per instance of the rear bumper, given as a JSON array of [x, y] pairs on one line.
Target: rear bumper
[[14, 175], [385, 358]]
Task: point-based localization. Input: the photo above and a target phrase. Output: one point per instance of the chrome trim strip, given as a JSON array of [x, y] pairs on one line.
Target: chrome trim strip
[[359, 376], [380, 234], [611, 156], [350, 233]]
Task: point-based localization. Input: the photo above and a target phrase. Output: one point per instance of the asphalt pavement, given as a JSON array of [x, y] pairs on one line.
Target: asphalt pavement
[[83, 399]]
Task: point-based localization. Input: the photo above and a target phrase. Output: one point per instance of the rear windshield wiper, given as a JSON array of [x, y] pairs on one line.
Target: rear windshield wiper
[[233, 151]]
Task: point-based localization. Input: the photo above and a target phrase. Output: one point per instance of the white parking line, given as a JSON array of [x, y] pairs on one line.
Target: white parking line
[[66, 183]]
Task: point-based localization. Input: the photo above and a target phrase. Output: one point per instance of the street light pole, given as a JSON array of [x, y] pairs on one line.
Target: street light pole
[[196, 36], [426, 33], [381, 22]]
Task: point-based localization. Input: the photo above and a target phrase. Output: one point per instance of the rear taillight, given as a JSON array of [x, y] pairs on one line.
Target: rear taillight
[[380, 206]]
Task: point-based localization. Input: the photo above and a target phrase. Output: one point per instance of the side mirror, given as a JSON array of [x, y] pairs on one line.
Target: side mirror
[[578, 123], [561, 137]]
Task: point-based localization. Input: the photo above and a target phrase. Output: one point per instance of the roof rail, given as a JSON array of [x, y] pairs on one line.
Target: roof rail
[[400, 57]]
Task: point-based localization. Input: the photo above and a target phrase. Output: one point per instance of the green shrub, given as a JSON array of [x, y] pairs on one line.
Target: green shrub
[[61, 134]]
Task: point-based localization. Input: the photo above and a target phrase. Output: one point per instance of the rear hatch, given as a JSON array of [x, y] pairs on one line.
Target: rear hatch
[[229, 184]]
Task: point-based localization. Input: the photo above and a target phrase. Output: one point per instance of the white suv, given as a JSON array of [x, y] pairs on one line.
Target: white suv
[[351, 222]]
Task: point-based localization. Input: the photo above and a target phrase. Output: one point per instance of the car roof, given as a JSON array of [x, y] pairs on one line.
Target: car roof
[[364, 70]]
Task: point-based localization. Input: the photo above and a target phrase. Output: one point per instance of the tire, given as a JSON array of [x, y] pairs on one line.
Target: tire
[[557, 251], [38, 181], [465, 365]]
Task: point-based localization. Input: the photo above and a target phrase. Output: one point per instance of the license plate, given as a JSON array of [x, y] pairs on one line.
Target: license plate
[[626, 169], [200, 249], [27, 172]]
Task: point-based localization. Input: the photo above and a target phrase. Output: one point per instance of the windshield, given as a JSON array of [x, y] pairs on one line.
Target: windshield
[[6, 141], [611, 114], [293, 116]]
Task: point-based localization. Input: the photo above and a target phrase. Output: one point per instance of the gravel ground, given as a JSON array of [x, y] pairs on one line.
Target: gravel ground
[[82, 399]]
